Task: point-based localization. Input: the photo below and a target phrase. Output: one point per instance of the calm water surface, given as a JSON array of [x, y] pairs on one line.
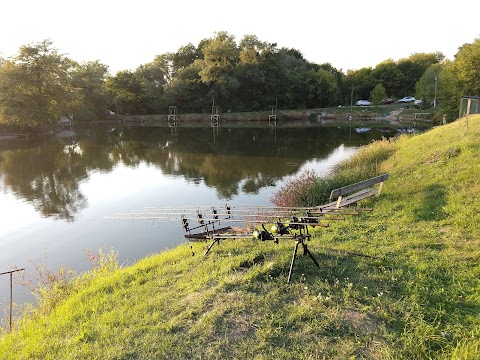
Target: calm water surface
[[55, 195]]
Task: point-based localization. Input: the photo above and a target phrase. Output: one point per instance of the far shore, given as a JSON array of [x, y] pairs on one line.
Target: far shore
[[391, 116]]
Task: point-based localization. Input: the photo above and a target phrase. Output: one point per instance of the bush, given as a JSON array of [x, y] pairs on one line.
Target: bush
[[296, 191], [309, 190]]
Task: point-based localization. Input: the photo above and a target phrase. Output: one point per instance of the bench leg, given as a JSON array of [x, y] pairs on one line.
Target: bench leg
[[339, 200]]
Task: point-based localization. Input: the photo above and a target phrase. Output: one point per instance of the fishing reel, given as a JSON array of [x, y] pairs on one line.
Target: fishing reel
[[280, 229], [309, 218], [263, 235]]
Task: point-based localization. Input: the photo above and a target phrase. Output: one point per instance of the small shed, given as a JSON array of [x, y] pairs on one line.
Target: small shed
[[469, 105]]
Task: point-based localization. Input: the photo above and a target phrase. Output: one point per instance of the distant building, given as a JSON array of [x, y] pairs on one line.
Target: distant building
[[469, 105]]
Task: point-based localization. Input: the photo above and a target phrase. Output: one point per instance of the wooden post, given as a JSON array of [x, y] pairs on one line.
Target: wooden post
[[11, 292]]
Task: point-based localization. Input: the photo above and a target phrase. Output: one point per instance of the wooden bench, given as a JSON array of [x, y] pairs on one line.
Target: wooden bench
[[351, 194]]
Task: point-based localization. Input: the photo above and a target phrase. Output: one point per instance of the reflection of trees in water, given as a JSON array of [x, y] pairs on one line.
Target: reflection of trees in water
[[240, 159], [48, 174]]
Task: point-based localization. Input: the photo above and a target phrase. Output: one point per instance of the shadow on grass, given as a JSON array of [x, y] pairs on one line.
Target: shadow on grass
[[433, 201]]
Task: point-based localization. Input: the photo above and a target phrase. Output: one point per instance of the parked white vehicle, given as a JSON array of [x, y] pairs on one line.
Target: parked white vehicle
[[418, 103], [406, 99], [363, 103]]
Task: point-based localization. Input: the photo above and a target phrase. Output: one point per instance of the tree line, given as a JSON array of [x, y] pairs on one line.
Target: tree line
[[38, 85]]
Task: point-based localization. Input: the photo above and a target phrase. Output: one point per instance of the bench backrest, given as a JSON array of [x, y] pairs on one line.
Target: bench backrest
[[358, 186]]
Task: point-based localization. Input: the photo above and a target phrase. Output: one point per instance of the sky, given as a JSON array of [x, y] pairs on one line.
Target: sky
[[348, 34]]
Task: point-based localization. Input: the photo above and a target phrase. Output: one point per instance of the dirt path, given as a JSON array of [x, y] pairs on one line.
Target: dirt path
[[393, 116]]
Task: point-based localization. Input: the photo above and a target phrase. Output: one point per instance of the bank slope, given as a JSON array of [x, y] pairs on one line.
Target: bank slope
[[422, 301]]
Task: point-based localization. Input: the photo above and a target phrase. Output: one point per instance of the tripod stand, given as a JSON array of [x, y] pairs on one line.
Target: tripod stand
[[300, 240]]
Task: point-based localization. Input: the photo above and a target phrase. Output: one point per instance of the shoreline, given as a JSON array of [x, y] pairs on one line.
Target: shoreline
[[375, 117]]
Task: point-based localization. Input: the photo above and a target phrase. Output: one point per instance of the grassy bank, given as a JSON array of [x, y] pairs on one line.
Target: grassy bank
[[422, 301]]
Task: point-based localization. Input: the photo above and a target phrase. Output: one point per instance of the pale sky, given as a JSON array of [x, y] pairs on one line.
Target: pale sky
[[348, 34]]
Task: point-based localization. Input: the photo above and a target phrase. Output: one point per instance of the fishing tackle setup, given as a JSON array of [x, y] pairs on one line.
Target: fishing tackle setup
[[216, 224]]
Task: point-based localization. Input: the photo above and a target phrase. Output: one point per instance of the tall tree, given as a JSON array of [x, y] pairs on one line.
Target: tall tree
[[187, 91], [461, 77], [377, 94], [87, 81], [466, 66], [220, 58], [185, 56], [152, 78], [413, 68], [250, 49], [389, 75], [35, 87], [360, 83], [124, 88], [426, 87]]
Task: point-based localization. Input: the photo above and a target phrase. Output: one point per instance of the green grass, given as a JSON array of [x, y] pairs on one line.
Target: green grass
[[421, 302]]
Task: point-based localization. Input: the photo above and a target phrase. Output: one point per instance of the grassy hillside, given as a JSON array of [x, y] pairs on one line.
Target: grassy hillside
[[422, 301]]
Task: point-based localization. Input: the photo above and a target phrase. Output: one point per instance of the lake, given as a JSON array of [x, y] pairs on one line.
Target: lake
[[56, 194]]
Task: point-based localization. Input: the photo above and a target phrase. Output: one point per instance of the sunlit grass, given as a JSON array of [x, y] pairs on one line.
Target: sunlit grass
[[421, 302]]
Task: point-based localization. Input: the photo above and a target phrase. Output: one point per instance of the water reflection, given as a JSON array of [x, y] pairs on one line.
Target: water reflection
[[48, 174]]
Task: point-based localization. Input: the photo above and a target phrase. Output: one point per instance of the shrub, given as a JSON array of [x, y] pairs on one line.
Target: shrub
[[296, 191], [309, 190]]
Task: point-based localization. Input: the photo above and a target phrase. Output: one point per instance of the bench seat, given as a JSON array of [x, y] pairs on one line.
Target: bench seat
[[351, 194]]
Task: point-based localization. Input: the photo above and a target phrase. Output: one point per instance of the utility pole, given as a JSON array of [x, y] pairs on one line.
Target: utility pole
[[435, 96], [351, 100]]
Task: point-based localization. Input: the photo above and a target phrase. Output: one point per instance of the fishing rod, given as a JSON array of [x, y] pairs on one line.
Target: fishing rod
[[322, 208], [216, 218], [229, 211], [228, 214], [243, 213]]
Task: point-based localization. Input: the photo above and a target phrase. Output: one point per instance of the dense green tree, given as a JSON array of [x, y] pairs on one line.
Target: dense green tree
[[296, 77], [449, 92], [35, 86], [220, 58], [362, 83], [251, 49], [411, 73], [322, 88], [378, 94], [340, 80], [426, 59], [426, 87], [261, 75], [87, 81], [185, 56], [388, 74], [460, 77], [124, 88], [152, 78], [466, 67], [412, 69], [187, 91]]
